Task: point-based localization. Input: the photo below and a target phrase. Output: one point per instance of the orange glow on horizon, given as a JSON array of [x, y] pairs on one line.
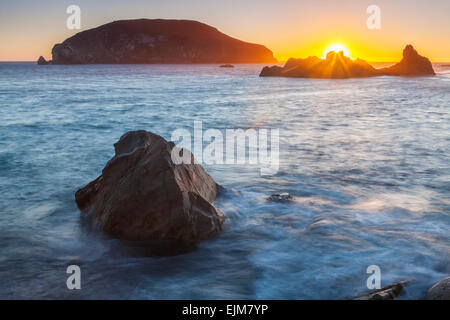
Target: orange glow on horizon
[[297, 29], [352, 49]]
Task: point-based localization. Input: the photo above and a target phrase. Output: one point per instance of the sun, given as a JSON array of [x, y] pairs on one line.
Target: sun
[[336, 47]]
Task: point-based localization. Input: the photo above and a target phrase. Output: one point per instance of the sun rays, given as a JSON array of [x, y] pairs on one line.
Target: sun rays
[[336, 47]]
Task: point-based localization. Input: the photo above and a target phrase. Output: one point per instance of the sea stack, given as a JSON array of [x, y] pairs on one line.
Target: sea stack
[[338, 66], [142, 195], [412, 64], [157, 41], [334, 66], [41, 61]]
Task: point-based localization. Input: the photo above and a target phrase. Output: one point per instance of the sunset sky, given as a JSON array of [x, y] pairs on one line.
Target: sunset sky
[[290, 28]]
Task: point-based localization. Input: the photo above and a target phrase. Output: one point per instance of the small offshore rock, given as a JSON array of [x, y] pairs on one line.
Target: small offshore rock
[[280, 197], [226, 66], [41, 61]]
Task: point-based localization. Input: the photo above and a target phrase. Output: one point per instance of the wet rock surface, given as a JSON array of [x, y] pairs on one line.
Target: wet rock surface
[[142, 195], [440, 290], [387, 293]]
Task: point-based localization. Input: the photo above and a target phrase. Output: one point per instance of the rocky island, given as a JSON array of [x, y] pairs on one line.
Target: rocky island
[[338, 66], [156, 41]]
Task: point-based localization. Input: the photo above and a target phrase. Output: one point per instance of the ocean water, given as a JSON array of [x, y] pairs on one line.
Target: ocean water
[[367, 161]]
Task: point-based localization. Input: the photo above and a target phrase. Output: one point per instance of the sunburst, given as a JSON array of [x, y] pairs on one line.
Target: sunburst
[[336, 47]]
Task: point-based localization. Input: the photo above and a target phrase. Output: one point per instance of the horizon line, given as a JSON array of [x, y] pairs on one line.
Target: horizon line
[[281, 61]]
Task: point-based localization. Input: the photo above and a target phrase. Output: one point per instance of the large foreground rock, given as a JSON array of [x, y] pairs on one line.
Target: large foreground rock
[[338, 66], [142, 195], [157, 41], [440, 291]]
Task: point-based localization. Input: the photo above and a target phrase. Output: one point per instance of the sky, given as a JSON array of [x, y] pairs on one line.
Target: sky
[[290, 28]]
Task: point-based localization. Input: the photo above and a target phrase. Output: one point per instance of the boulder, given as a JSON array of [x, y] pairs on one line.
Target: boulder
[[157, 41], [142, 195], [440, 290]]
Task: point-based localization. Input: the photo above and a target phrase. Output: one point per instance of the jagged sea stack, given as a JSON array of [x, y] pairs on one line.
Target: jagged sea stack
[[338, 66], [412, 64], [142, 195], [41, 61]]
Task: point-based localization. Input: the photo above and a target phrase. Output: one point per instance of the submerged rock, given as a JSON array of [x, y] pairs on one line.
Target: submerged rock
[[280, 197], [440, 290], [157, 41], [142, 195], [338, 66], [386, 293]]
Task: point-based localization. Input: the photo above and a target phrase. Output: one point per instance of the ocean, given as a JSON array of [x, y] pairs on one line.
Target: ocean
[[366, 160]]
